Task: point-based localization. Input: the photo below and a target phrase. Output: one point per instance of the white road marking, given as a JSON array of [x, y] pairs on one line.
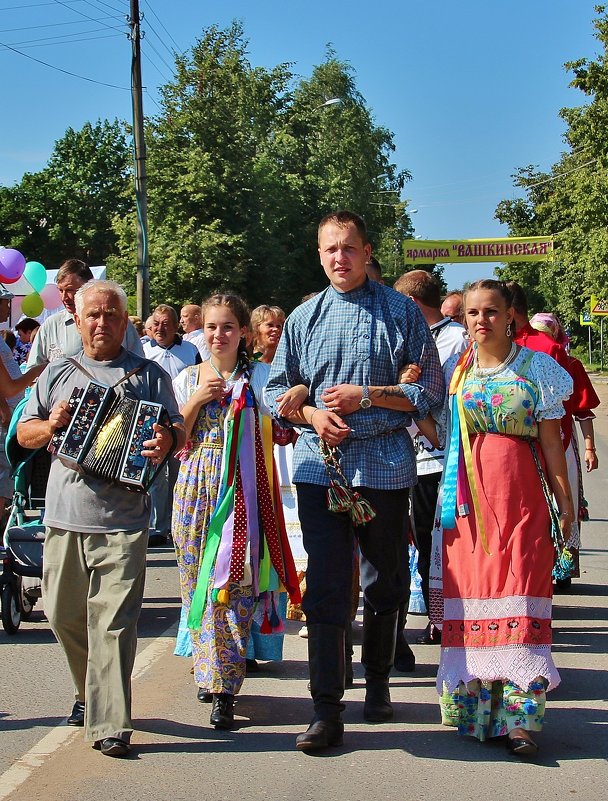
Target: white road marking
[[23, 767]]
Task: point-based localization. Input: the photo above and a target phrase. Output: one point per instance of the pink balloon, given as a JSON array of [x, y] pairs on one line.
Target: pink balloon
[[12, 265], [51, 296]]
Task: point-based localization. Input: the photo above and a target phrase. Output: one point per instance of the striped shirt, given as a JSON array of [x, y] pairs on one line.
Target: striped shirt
[[363, 337]]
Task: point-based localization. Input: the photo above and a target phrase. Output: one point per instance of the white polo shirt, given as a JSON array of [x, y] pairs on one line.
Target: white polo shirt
[[173, 359]]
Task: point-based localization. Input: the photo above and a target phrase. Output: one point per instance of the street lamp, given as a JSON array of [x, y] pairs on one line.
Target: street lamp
[[331, 102]]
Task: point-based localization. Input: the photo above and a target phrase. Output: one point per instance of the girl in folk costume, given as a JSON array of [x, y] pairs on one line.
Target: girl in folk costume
[[227, 527], [500, 529]]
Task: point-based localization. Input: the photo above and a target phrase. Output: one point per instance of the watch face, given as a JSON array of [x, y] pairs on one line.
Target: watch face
[[365, 403]]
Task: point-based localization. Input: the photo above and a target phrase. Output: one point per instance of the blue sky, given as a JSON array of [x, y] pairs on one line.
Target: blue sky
[[471, 89]]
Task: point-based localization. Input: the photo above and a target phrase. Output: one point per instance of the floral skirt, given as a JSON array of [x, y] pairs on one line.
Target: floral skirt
[[494, 708]]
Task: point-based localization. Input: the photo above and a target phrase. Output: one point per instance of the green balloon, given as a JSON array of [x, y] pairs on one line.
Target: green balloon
[[36, 275], [32, 305]]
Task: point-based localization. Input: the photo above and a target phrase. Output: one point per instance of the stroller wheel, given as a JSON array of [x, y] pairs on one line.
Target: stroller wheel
[[27, 606], [11, 614]]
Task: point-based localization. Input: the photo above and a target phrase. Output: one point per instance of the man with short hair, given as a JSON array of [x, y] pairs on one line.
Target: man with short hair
[[191, 322], [166, 347], [452, 307], [58, 336], [96, 536], [451, 338], [173, 354], [348, 345]]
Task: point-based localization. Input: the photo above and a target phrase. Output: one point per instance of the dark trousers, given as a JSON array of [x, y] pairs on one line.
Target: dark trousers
[[329, 539], [424, 501]]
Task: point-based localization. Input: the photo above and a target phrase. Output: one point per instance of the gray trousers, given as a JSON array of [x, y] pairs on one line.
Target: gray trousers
[[161, 498], [93, 587]]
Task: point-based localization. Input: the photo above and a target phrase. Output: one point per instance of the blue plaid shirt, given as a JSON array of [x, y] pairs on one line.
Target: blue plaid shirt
[[363, 337]]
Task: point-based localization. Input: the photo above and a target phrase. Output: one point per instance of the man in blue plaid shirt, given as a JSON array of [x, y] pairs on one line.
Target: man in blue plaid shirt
[[348, 345]]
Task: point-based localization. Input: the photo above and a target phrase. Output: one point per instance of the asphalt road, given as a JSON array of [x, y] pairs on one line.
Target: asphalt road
[[177, 755]]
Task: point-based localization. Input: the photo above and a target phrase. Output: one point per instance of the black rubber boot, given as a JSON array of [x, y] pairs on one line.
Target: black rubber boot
[[222, 711], [379, 633], [405, 661], [326, 666]]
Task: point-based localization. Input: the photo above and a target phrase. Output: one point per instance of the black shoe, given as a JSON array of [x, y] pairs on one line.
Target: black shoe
[[251, 666], [321, 734], [157, 541], [112, 746], [563, 585], [377, 707], [204, 696], [222, 711], [77, 716], [405, 661], [431, 636], [522, 746]]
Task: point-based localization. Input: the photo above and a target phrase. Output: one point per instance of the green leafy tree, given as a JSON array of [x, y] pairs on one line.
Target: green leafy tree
[[570, 201], [243, 161], [66, 209]]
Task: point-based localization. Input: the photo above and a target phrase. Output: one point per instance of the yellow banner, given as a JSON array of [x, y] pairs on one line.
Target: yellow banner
[[455, 251]]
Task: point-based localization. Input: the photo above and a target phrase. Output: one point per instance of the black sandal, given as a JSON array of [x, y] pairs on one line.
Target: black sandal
[[522, 746]]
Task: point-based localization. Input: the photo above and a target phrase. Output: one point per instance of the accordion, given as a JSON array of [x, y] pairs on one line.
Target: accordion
[[106, 434]]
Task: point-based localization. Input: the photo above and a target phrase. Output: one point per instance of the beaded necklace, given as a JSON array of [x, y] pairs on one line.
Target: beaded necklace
[[487, 372], [219, 375]]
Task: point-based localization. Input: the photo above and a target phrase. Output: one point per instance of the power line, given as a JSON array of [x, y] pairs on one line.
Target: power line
[[56, 25], [86, 16], [65, 72], [168, 66], [34, 5], [177, 47], [150, 97], [44, 43], [156, 67], [59, 36], [150, 27], [108, 5], [559, 175]]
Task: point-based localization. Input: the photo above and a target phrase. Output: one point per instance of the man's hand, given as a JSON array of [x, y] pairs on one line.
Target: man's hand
[[343, 398], [157, 448], [329, 426], [60, 416]]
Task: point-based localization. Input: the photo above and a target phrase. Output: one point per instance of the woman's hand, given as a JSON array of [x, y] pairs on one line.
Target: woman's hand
[[410, 373], [210, 388], [591, 460], [291, 401], [565, 525]]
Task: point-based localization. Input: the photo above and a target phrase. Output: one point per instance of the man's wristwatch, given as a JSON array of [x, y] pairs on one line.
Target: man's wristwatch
[[365, 402]]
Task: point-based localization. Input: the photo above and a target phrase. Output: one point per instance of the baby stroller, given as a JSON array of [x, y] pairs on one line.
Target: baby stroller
[[21, 577]]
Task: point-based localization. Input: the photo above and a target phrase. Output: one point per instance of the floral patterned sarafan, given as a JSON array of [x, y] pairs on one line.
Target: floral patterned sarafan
[[496, 662]]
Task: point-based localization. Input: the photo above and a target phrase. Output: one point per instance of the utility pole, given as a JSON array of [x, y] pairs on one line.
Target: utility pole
[[141, 199]]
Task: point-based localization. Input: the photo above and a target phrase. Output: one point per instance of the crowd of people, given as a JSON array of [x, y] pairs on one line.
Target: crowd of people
[[394, 414]]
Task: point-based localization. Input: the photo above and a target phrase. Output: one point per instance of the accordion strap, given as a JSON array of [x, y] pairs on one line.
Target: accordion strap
[[91, 377]]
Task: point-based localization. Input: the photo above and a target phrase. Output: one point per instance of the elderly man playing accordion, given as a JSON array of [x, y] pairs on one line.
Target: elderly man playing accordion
[[96, 536]]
